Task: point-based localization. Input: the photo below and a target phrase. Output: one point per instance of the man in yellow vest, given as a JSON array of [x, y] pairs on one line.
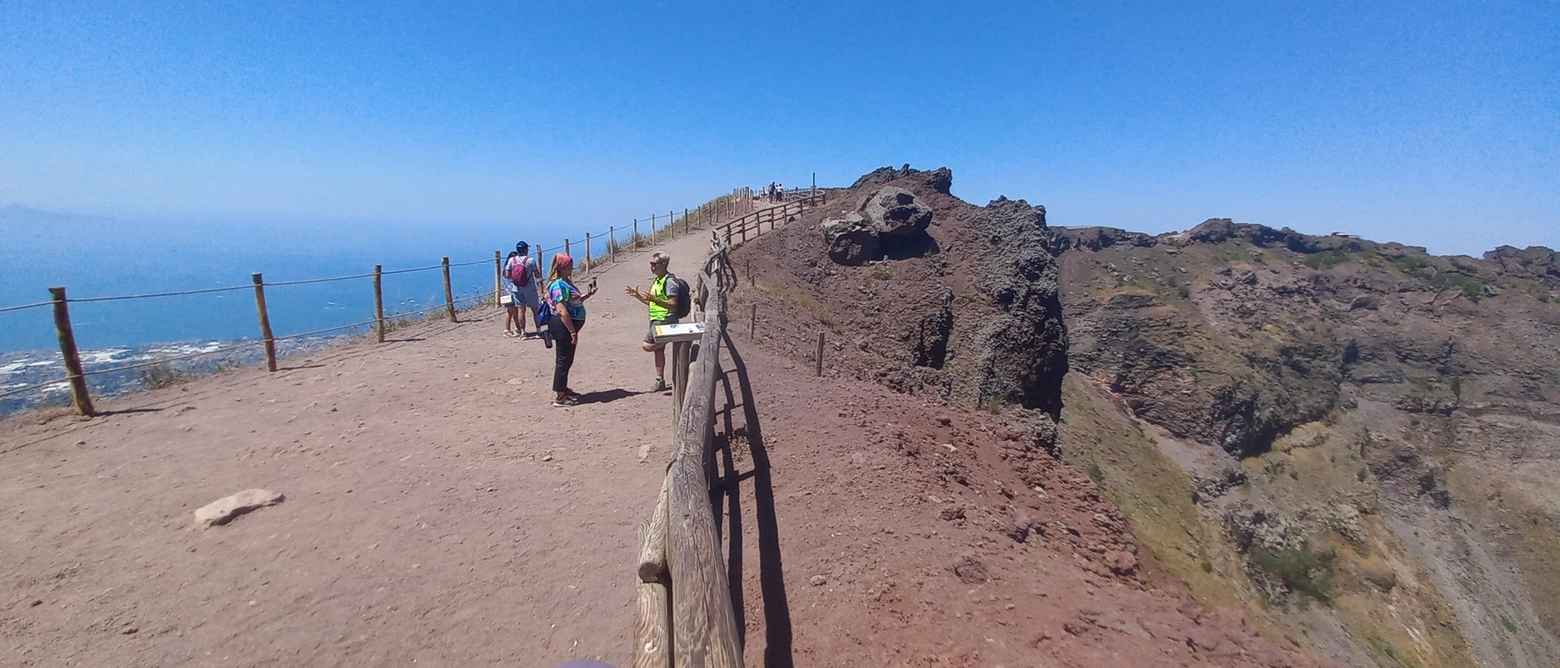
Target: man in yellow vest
[[661, 298]]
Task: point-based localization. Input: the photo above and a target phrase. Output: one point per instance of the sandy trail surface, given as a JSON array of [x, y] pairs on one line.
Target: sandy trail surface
[[438, 510]]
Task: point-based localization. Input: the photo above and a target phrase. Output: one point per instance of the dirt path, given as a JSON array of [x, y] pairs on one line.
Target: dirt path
[[439, 511]]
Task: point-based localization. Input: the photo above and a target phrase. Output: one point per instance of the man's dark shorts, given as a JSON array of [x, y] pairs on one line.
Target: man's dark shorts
[[650, 334]]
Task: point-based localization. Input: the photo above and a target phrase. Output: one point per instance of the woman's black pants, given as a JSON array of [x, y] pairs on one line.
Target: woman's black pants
[[563, 344]]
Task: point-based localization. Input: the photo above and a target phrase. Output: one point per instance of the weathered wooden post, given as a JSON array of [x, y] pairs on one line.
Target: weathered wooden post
[[449, 294], [820, 353], [67, 336], [652, 227], [265, 322], [566, 250], [588, 262], [379, 303], [612, 243], [635, 241], [687, 224], [498, 278], [652, 611], [680, 353], [753, 324]]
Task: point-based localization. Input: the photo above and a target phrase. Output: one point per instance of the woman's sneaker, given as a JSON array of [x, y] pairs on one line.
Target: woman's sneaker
[[659, 385], [566, 401]]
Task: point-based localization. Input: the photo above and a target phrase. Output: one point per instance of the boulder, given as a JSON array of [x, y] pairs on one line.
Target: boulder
[[894, 212], [852, 239], [890, 217], [223, 510]]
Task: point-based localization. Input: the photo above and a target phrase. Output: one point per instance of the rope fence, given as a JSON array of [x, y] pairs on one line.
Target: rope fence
[[597, 248], [24, 307], [29, 388]]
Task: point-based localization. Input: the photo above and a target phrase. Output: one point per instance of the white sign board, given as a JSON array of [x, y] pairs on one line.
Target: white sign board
[[682, 331]]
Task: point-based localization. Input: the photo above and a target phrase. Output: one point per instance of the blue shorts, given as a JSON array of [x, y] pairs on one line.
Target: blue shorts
[[523, 297]]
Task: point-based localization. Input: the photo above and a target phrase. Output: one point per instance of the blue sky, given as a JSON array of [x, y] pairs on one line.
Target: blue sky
[[1436, 124]]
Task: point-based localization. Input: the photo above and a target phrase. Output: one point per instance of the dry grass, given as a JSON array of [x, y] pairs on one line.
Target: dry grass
[[799, 299]]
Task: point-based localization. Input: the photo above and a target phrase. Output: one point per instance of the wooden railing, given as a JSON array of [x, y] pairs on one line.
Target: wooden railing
[[684, 615], [738, 231]]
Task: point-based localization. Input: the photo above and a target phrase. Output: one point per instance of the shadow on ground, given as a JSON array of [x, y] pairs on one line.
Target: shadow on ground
[[728, 488], [606, 396]]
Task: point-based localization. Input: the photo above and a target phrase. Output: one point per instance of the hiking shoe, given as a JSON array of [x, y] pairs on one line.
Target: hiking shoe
[[565, 402], [658, 385]]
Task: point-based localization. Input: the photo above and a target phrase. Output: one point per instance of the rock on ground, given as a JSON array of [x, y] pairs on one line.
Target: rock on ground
[[223, 510]]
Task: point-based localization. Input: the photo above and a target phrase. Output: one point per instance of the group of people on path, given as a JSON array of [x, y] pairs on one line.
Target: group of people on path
[[558, 310], [774, 192]]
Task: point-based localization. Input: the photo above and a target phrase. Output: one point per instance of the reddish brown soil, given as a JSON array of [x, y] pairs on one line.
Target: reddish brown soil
[[887, 558]]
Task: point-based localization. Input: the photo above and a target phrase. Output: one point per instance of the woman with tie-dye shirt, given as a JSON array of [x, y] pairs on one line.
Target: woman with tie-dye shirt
[[568, 316]]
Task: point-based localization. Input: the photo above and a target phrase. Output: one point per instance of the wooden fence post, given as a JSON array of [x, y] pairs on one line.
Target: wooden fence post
[[820, 354], [67, 336], [753, 323], [588, 262], [265, 322], [612, 243], [498, 278], [652, 228], [379, 303], [652, 612], [671, 224], [635, 240], [687, 224], [566, 250], [449, 294]]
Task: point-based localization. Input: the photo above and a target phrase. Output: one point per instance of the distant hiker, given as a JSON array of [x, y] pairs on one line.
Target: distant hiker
[[507, 299], [668, 302], [567, 306], [520, 275]]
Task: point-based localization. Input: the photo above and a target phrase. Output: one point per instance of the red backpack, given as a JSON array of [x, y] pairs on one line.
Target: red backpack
[[518, 272]]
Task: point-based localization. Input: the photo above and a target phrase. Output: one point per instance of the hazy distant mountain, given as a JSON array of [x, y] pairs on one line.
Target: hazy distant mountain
[[19, 214]]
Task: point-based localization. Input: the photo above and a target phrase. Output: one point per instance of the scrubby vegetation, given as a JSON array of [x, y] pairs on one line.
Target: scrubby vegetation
[[162, 375], [1300, 570], [1326, 259]]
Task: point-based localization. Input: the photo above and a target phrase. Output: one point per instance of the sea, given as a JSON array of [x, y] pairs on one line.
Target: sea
[[94, 258]]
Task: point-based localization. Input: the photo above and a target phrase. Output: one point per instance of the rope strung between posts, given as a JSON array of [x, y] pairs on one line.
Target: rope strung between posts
[[160, 294], [305, 281], [165, 360], [29, 388], [23, 306], [246, 344]]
